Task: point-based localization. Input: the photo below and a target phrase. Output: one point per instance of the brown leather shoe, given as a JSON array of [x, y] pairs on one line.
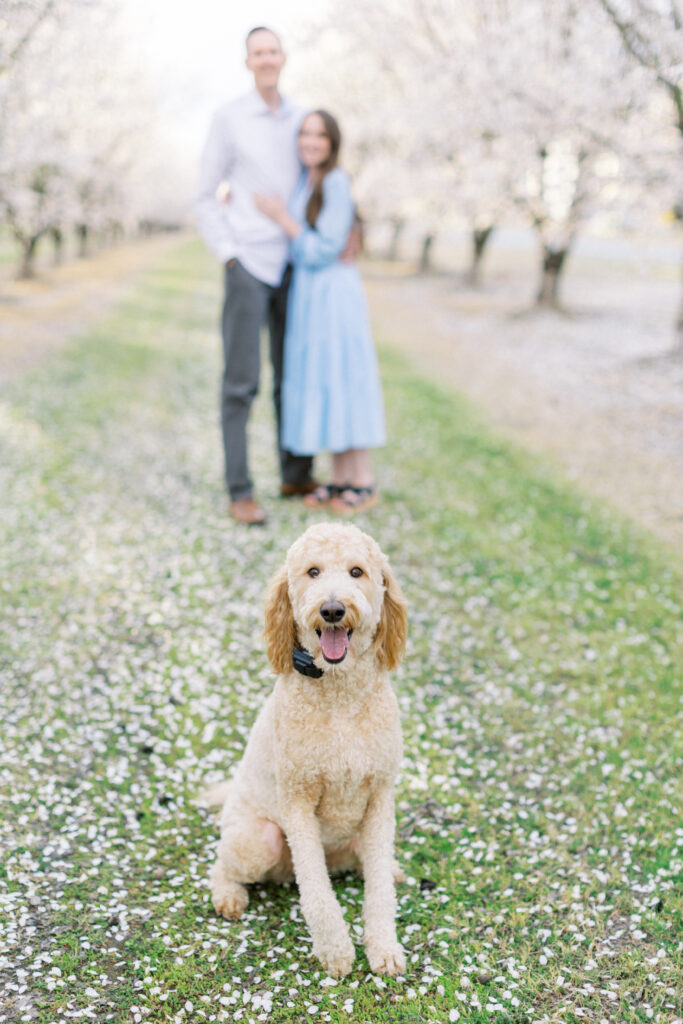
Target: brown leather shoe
[[246, 510], [298, 490]]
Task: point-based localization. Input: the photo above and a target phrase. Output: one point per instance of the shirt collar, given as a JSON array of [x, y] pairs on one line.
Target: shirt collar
[[259, 105]]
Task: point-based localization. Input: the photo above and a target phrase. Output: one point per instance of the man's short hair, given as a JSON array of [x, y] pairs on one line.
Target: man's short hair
[[261, 28]]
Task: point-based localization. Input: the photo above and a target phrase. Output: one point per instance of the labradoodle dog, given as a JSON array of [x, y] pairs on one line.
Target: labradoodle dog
[[313, 793]]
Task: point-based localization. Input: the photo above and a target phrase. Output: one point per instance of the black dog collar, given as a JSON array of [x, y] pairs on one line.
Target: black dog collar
[[303, 663]]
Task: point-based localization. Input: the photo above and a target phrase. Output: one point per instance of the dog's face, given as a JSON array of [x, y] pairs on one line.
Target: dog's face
[[336, 597], [336, 589]]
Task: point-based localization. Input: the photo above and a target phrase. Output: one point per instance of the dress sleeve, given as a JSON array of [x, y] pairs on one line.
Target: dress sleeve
[[321, 245]]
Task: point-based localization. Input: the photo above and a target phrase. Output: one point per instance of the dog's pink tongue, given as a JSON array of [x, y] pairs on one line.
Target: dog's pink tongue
[[334, 640]]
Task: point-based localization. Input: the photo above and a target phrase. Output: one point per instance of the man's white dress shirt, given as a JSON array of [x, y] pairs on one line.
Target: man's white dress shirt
[[254, 149]]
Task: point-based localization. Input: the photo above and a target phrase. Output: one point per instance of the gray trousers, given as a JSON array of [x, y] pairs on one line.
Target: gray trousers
[[250, 304]]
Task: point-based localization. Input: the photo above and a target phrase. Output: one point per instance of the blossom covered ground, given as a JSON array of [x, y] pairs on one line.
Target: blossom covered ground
[[538, 808]]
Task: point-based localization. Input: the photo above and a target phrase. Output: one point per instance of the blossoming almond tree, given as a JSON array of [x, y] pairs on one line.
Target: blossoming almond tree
[[82, 134], [512, 105], [651, 32], [565, 104]]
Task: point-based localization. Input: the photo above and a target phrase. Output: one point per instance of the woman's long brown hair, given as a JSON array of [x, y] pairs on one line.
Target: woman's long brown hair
[[315, 202]]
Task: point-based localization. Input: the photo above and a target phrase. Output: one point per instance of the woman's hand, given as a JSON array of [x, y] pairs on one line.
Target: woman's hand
[[272, 206], [275, 208]]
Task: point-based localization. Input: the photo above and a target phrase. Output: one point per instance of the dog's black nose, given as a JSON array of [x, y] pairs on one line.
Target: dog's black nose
[[332, 611]]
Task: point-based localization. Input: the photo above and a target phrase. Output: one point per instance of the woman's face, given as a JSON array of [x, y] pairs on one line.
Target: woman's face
[[314, 145]]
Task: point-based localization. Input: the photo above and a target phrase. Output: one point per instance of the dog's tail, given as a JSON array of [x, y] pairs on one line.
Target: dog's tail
[[216, 795]]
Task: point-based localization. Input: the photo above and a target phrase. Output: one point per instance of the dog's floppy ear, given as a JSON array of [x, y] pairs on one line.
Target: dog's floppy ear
[[279, 628], [390, 639]]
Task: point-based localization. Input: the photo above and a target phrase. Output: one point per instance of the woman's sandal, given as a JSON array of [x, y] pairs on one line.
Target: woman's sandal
[[354, 499], [323, 495]]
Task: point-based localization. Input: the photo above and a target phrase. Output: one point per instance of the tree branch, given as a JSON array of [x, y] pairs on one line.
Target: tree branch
[[641, 49], [23, 41]]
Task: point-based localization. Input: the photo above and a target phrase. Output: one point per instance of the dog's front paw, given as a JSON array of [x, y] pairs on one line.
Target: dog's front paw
[[337, 958], [229, 898], [389, 959]]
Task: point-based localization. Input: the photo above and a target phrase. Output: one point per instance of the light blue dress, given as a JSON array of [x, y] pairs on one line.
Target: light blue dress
[[331, 390]]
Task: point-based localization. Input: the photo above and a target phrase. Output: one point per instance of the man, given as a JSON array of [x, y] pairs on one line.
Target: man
[[251, 148]]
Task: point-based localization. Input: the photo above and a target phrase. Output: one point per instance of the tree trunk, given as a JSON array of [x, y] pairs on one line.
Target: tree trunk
[[426, 253], [27, 268], [397, 226], [678, 338], [552, 267], [82, 236], [480, 238], [57, 236], [677, 349]]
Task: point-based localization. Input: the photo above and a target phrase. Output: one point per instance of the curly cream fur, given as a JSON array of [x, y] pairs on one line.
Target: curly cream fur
[[313, 793], [279, 631]]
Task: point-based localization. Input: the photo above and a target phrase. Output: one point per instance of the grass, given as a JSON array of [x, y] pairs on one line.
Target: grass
[[539, 803]]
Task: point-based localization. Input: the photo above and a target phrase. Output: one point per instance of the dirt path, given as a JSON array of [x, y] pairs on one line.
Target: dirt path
[[36, 317], [593, 390]]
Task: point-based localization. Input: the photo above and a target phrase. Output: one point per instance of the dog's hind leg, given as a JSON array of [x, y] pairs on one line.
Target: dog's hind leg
[[248, 849]]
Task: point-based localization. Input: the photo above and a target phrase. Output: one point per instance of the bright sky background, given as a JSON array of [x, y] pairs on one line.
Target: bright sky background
[[195, 49]]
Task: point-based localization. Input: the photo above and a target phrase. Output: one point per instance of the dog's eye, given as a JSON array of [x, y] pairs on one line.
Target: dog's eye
[[356, 571], [313, 572]]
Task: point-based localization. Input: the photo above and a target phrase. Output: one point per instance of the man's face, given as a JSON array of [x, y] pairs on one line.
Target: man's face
[[265, 59]]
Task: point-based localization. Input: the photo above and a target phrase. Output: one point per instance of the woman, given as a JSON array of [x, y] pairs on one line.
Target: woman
[[331, 391]]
